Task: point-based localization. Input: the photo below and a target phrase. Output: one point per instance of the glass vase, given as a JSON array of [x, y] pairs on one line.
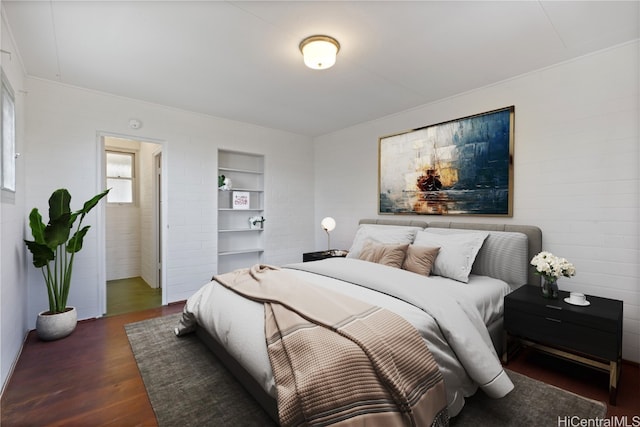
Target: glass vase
[[550, 288]]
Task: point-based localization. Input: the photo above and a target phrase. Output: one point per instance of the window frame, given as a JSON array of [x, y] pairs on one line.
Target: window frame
[[133, 179], [8, 184]]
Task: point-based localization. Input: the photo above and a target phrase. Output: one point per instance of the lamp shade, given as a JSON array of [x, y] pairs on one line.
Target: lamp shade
[[319, 52], [328, 224]]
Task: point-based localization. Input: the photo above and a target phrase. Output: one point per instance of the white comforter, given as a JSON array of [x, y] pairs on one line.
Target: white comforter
[[452, 327]]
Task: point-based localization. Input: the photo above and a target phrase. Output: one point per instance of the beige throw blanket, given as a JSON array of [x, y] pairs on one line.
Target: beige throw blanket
[[337, 360]]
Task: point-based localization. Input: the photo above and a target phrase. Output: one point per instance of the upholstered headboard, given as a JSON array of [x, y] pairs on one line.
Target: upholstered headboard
[[533, 233]]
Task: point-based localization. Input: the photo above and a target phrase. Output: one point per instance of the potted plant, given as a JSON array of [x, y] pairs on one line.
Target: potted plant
[[53, 249]]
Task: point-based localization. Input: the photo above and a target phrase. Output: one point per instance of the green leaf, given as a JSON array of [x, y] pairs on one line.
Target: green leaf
[[75, 243], [89, 204], [59, 204], [57, 232], [36, 225], [42, 253]]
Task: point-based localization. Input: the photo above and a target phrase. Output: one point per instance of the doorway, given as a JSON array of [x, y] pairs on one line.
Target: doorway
[[133, 256]]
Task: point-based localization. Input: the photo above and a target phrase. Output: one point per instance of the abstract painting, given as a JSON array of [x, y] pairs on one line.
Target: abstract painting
[[460, 167]]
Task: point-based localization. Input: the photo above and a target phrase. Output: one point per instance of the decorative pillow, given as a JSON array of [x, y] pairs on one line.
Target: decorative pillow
[[389, 234], [457, 252], [503, 255], [391, 255], [419, 259]]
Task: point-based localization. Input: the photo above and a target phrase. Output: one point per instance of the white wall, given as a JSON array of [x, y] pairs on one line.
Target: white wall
[[148, 242], [63, 123], [576, 169], [122, 242], [13, 259], [122, 237]]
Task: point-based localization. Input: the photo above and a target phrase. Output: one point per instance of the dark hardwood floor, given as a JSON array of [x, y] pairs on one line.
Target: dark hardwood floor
[[91, 379], [585, 381]]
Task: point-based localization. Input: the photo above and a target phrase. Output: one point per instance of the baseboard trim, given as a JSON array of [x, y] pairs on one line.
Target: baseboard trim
[[14, 364]]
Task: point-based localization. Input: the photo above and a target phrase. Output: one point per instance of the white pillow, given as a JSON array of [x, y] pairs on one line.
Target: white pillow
[[387, 234], [503, 255], [457, 252]]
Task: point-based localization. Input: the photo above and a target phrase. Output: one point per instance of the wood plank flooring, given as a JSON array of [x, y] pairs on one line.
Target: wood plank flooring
[[87, 379], [583, 380], [91, 379]]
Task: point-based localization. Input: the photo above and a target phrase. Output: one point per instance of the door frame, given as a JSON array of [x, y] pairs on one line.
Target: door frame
[[101, 215], [158, 216]]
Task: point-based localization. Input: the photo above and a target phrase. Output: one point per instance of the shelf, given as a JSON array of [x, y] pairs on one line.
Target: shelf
[[240, 246], [223, 169], [252, 190], [242, 251]]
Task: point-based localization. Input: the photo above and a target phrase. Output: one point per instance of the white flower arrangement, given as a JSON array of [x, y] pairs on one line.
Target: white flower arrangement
[[551, 267]]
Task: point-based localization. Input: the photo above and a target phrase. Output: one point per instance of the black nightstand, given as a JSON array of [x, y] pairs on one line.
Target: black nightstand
[[590, 335], [317, 256]]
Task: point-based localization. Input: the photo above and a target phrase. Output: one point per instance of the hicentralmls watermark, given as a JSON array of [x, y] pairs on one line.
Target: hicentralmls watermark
[[615, 421]]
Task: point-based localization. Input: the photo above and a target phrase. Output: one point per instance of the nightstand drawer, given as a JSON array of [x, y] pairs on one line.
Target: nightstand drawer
[[556, 331], [559, 310]]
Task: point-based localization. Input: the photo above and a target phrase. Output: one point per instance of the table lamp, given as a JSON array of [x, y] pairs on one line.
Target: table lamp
[[328, 224]]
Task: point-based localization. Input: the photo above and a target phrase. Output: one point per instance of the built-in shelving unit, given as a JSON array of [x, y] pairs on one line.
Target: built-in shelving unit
[[240, 245]]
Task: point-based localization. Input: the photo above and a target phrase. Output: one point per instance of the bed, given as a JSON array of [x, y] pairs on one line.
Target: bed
[[459, 313]]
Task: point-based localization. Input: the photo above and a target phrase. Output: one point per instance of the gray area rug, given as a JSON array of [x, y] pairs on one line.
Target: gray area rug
[[187, 386]]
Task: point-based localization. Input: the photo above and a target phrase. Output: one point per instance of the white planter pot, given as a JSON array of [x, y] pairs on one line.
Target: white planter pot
[[55, 326]]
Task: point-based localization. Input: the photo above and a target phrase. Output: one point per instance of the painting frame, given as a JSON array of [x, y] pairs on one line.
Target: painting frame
[[462, 166]]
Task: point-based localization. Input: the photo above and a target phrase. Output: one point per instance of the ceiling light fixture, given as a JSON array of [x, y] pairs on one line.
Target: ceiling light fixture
[[319, 52]]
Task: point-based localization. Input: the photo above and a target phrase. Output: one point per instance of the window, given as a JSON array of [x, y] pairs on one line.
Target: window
[[120, 177], [8, 136]]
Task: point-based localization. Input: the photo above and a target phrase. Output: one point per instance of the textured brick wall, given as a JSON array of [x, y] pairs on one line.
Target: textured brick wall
[[576, 169]]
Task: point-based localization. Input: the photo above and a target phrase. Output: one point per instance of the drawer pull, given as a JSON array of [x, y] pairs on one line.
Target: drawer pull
[[555, 307], [553, 320]]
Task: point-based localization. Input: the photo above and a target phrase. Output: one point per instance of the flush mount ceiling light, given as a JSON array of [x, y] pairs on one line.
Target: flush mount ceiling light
[[319, 52]]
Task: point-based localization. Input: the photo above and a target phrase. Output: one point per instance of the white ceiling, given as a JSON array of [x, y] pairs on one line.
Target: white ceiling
[[240, 59]]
